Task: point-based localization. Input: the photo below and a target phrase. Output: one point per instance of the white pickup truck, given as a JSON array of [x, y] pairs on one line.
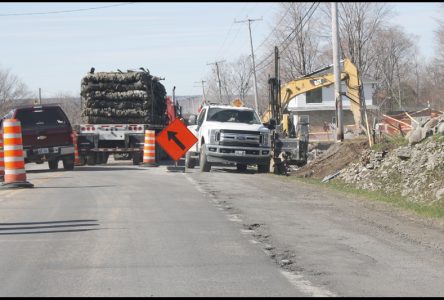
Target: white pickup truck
[[229, 135]]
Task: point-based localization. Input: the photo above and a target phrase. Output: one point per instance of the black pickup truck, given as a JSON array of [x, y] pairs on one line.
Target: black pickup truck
[[46, 133]]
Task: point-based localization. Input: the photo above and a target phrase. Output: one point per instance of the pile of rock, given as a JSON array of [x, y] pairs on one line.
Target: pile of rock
[[415, 171], [125, 98], [429, 127]]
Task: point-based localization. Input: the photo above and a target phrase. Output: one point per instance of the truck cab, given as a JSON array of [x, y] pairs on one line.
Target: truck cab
[[229, 135]]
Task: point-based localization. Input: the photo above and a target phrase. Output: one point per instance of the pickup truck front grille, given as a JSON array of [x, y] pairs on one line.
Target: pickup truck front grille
[[238, 144], [239, 138]]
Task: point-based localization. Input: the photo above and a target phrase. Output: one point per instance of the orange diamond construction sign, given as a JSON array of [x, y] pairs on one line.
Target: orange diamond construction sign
[[176, 139]]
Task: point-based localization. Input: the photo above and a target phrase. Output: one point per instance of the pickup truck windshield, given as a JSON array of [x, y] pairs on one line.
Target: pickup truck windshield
[[232, 115], [41, 117]]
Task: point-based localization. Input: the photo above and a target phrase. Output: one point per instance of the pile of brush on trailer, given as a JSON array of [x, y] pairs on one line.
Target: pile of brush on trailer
[[133, 97]]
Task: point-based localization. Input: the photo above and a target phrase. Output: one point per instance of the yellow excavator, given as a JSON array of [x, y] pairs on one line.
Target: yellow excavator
[[290, 142]]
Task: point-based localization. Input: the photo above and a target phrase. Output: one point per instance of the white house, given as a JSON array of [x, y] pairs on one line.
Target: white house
[[319, 107]]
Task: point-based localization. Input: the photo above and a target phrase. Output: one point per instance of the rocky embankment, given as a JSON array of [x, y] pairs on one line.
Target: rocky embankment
[[415, 171]]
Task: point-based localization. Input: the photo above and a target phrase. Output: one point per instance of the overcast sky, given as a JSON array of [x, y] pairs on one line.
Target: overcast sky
[[173, 40]]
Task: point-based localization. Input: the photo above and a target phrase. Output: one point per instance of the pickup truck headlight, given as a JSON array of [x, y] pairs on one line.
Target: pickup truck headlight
[[214, 136], [265, 139]]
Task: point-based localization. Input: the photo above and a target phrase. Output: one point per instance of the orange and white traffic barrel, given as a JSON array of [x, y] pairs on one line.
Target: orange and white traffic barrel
[[76, 149], [149, 149], [2, 159], [15, 173]]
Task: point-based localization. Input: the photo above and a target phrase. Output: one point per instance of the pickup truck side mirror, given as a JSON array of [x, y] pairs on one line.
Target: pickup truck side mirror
[[192, 120], [271, 124]]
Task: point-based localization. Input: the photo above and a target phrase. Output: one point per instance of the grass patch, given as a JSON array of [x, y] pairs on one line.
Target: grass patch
[[435, 210], [438, 138], [389, 143]]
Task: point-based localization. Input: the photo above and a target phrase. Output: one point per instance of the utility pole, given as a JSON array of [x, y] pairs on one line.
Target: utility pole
[[40, 96], [278, 83], [203, 89], [337, 71], [252, 58], [218, 77]]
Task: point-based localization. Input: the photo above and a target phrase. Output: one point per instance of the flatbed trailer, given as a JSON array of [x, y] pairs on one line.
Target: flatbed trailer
[[97, 141]]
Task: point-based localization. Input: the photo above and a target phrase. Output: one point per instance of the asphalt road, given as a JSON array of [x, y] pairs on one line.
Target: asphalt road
[[124, 230]]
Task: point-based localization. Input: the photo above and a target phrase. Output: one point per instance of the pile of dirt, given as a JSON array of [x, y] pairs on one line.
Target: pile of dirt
[[337, 157], [117, 97]]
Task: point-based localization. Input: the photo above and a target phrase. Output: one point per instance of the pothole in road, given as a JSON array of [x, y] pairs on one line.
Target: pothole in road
[[284, 258]]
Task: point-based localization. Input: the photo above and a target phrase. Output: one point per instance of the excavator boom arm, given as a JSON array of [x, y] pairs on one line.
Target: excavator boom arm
[[309, 83]]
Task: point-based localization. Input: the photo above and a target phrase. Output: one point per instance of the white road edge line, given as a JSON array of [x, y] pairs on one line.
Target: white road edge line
[[193, 182], [296, 280], [306, 286]]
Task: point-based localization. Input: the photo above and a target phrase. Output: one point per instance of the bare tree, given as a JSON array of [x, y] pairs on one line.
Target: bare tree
[[359, 22], [12, 90], [440, 39], [70, 105], [300, 40], [237, 79], [11, 87], [392, 65]]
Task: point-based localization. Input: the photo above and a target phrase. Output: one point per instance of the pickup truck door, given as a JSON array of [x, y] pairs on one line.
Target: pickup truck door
[[200, 121]]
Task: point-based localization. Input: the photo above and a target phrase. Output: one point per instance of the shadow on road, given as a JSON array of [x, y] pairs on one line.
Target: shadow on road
[[107, 168], [46, 171], [73, 187], [226, 170], [46, 222], [81, 225], [47, 231]]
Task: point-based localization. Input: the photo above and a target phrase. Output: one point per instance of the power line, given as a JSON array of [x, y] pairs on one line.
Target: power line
[[252, 58], [64, 11], [301, 26], [229, 31], [274, 29], [237, 33], [291, 33]]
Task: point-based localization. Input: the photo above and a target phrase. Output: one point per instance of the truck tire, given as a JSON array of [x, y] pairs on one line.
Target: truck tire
[[105, 158], [241, 167], [189, 161], [205, 166], [68, 163], [82, 160], [91, 159], [263, 168], [53, 164], [100, 159], [137, 158]]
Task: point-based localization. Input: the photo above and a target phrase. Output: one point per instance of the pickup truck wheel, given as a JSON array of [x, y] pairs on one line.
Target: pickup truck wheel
[[91, 159], [68, 163], [189, 161], [263, 168], [53, 164], [205, 166], [241, 167]]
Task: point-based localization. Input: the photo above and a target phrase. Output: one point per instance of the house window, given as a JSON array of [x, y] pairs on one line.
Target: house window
[[314, 96]]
